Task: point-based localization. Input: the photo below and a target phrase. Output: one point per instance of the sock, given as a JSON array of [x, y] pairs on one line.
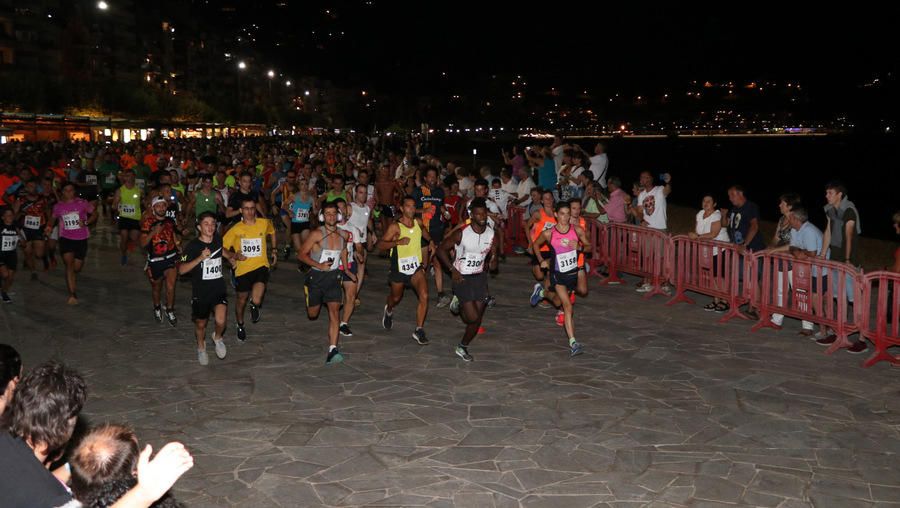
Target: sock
[[572, 340], [331, 348]]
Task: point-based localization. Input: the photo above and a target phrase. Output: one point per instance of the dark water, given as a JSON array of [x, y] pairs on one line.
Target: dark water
[[765, 167]]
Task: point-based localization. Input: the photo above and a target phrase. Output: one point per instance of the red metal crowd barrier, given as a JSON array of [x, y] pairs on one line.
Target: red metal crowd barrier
[[879, 311], [828, 293], [710, 268], [640, 251], [515, 229], [599, 236], [814, 290]]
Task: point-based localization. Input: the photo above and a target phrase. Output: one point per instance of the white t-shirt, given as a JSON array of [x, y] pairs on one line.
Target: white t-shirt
[[524, 190], [704, 225], [360, 220], [501, 198], [577, 172], [599, 163], [558, 157], [511, 186], [654, 205]]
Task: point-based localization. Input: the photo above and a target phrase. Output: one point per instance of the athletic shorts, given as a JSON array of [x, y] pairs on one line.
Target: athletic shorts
[[568, 279], [9, 259], [34, 235], [353, 269], [473, 288], [323, 287], [203, 305], [77, 247], [156, 270], [246, 282], [126, 224], [299, 227], [401, 278]]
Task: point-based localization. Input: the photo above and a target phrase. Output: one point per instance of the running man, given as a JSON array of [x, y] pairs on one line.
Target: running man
[[540, 221], [127, 202], [203, 260], [160, 238], [325, 251], [404, 239], [9, 254], [474, 246], [356, 255], [248, 237]]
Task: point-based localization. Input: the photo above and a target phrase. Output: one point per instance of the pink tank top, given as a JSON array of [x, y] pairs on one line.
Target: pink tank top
[[565, 250]]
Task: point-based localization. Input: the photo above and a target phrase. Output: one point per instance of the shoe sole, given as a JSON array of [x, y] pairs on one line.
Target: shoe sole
[[336, 359], [346, 334], [419, 342], [576, 353]]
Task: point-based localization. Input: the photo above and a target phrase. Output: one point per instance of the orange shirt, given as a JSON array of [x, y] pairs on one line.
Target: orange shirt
[[151, 160], [127, 161]]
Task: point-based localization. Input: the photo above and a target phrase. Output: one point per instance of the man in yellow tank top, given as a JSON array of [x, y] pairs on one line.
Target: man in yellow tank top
[[127, 204], [404, 239]]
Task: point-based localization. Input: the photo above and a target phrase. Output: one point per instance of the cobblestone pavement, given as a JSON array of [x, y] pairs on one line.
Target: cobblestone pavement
[[665, 408]]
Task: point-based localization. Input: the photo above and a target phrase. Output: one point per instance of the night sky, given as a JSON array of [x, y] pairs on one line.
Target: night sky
[[403, 46]]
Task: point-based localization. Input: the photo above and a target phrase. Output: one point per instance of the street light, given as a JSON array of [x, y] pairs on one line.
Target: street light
[[306, 93], [287, 83], [242, 65], [271, 74], [102, 5]]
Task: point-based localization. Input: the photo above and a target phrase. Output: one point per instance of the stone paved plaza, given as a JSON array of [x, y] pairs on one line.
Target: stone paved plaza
[[665, 408]]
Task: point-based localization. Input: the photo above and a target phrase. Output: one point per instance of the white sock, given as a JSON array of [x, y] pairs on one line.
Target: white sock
[[331, 348]]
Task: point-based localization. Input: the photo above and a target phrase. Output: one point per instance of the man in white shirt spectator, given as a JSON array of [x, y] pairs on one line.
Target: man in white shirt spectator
[[652, 201], [651, 210], [599, 164]]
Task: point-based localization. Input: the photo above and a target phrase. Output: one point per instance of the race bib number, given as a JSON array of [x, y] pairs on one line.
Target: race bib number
[[126, 209], [473, 263], [32, 222], [408, 265], [548, 225], [212, 269], [90, 179], [567, 261], [10, 242], [302, 215], [71, 221], [252, 247], [332, 257], [171, 214]]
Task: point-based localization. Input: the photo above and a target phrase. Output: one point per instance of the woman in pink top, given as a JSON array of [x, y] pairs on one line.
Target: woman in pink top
[[566, 241], [73, 215]]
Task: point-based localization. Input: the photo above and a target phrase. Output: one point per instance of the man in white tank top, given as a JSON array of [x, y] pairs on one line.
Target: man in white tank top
[[474, 245]]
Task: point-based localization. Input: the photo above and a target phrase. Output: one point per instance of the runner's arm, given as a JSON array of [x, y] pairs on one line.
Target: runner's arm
[[390, 238], [542, 239], [582, 237], [443, 252]]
